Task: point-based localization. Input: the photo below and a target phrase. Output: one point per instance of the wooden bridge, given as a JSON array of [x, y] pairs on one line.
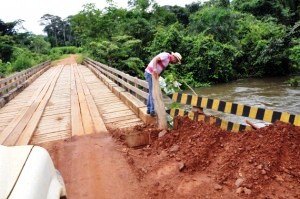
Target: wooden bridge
[[48, 103]]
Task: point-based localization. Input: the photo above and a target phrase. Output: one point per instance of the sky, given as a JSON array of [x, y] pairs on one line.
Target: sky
[[32, 10]]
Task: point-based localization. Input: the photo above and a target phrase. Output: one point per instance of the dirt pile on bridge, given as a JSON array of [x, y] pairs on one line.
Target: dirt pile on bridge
[[201, 160]]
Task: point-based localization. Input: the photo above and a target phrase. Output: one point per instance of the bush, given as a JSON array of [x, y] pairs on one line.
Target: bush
[[135, 66], [57, 52], [79, 58], [23, 62], [23, 59], [211, 61]]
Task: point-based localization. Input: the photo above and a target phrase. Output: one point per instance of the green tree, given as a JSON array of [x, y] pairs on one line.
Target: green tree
[[285, 11], [6, 47], [263, 47], [58, 30], [167, 39], [39, 45], [9, 27], [294, 54], [222, 23], [210, 60]]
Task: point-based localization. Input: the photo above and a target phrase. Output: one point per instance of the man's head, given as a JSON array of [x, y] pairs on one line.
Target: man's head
[[176, 58]]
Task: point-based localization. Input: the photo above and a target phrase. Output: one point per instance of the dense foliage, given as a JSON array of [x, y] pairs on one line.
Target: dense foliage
[[220, 40], [19, 51]]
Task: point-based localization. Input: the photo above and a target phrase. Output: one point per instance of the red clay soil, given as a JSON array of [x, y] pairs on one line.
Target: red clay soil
[[199, 160]]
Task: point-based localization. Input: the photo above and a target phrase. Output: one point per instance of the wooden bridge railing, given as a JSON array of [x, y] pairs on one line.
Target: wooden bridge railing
[[131, 90], [15, 83], [266, 115], [137, 87]]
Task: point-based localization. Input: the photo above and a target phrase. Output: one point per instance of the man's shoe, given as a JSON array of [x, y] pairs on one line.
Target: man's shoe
[[153, 114], [148, 112]]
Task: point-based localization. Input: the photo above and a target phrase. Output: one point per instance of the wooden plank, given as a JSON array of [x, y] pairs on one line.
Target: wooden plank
[[85, 112], [97, 120], [57, 112], [57, 116], [116, 119], [113, 110], [4, 118], [77, 126], [52, 119], [118, 114], [106, 100], [51, 137], [110, 101], [58, 105], [129, 125], [12, 132], [105, 93], [128, 121], [39, 132], [65, 126], [112, 107], [53, 134], [12, 125], [34, 120]]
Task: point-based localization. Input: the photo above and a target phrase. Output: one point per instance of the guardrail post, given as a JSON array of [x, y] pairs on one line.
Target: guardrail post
[[197, 111]]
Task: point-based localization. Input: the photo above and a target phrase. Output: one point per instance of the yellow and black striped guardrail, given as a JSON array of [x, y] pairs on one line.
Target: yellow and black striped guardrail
[[266, 115], [223, 124]]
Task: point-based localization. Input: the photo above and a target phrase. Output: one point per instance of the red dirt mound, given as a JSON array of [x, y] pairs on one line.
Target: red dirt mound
[[200, 160]]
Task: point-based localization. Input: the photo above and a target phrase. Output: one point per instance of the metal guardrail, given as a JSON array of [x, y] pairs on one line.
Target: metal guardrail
[[253, 112], [13, 81], [223, 124]]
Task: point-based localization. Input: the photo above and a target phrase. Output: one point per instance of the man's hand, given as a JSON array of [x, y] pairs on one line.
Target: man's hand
[[155, 74]]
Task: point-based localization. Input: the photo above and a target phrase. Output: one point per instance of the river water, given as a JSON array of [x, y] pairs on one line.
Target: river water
[[268, 93]]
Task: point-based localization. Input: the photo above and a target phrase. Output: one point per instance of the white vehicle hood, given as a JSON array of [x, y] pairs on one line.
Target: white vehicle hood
[[28, 172]]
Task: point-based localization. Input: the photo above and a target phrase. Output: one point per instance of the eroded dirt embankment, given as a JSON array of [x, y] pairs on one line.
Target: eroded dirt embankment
[[199, 160]]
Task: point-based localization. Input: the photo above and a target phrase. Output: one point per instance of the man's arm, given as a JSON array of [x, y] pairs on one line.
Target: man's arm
[[156, 60]]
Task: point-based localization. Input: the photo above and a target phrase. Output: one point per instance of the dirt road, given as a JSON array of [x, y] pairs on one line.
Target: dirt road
[[92, 167]]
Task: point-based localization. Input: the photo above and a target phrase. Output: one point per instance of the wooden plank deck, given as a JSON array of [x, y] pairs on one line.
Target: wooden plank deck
[[64, 101]]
